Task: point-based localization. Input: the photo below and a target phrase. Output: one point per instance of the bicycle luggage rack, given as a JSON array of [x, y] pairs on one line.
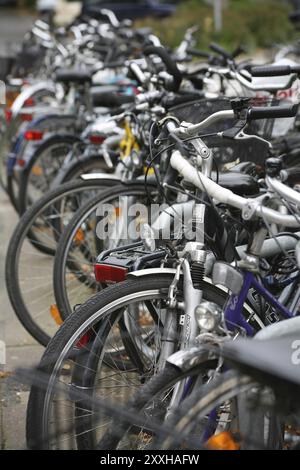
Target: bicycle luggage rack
[[113, 265]]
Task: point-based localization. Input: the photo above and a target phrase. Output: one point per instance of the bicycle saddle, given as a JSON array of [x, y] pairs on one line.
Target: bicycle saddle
[[73, 76], [111, 99], [239, 183]]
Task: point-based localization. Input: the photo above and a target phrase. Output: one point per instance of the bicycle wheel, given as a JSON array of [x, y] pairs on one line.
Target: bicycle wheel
[[44, 164], [223, 415], [29, 259], [150, 404], [76, 357], [79, 246], [80, 166]]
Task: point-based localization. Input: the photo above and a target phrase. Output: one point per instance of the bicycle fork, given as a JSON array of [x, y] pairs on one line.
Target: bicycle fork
[[193, 272]]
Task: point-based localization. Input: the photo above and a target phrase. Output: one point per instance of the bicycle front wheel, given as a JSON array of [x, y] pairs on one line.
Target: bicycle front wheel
[[108, 347]]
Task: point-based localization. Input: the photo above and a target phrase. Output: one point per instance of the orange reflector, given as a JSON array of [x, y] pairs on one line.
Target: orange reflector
[[109, 273], [79, 236], [37, 170], [33, 135], [55, 314], [222, 441], [118, 211], [10, 97]]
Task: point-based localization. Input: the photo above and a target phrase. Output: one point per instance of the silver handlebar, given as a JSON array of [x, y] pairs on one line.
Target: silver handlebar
[[271, 87], [188, 129]]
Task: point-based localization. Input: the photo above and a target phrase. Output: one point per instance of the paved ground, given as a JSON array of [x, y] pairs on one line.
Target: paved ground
[[13, 25], [21, 349]]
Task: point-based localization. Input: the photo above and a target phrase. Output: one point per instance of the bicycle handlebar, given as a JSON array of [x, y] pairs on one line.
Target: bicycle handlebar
[[198, 53], [274, 70], [219, 50], [272, 112], [254, 113], [225, 196], [171, 66]]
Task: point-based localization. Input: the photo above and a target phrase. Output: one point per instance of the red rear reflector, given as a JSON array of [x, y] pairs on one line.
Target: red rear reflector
[[8, 114], [96, 139], [83, 341], [109, 273], [33, 135], [26, 117], [21, 162], [29, 102]]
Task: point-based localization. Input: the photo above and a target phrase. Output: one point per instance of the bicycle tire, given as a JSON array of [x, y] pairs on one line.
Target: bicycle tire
[[223, 388], [61, 257], [19, 235], [67, 139], [99, 307]]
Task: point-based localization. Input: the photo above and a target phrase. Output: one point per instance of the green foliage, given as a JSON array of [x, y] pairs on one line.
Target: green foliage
[[253, 23], [27, 3]]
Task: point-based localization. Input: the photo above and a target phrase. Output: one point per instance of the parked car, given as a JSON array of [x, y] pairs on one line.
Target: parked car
[[132, 9]]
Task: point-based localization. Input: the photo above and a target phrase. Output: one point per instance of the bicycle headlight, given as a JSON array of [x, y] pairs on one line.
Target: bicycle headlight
[[208, 315]]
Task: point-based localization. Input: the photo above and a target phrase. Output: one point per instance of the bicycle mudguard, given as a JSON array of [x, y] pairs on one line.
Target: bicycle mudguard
[[100, 176], [187, 359], [28, 92]]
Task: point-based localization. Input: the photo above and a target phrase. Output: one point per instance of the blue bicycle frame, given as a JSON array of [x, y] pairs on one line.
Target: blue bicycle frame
[[233, 316], [233, 313]]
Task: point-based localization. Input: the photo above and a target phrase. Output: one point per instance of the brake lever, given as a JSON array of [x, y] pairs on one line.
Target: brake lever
[[242, 136], [237, 133]]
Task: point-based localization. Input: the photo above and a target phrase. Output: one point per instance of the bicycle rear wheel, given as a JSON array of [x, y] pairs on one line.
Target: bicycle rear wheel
[[29, 259]]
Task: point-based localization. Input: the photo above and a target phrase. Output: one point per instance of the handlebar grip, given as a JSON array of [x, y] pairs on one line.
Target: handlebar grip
[[114, 65], [238, 51], [197, 53], [274, 70], [272, 112], [171, 66], [137, 73], [291, 175], [219, 50]]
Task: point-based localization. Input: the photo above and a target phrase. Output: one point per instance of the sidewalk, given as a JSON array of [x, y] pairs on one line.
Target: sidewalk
[[21, 349]]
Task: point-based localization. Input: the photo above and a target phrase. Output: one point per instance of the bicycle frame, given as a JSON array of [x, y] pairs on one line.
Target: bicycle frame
[[233, 312]]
